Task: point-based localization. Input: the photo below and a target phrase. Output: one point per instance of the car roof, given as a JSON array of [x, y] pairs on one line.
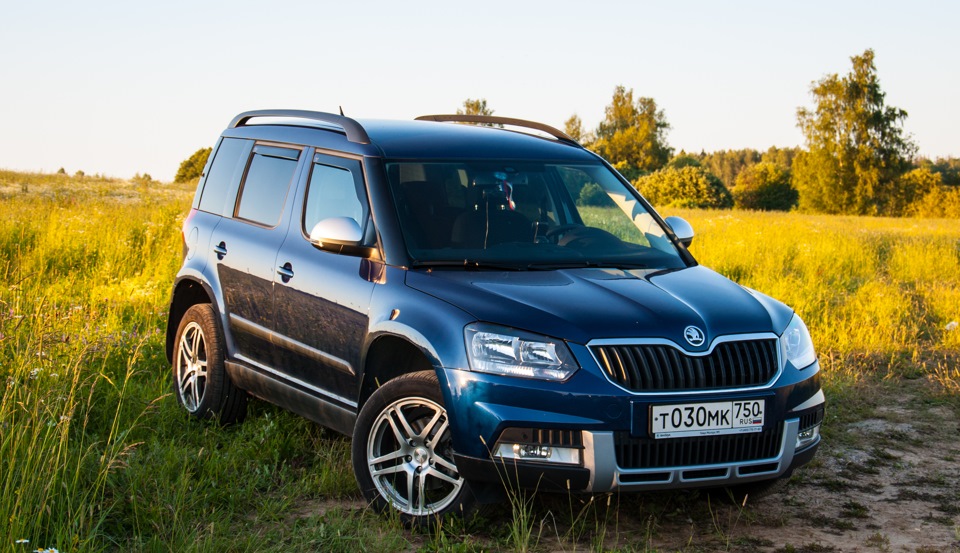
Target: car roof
[[438, 140], [414, 139]]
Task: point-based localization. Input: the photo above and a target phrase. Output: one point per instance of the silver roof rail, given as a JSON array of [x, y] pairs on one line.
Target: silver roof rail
[[496, 120], [353, 129]]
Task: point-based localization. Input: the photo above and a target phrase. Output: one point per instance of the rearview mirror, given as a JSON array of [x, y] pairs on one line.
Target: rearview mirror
[[682, 229], [340, 235]]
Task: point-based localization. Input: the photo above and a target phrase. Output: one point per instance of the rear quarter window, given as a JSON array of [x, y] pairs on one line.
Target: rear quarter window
[[216, 187]]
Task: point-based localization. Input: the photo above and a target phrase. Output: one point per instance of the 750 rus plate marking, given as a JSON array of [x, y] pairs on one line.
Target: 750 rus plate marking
[[706, 419]]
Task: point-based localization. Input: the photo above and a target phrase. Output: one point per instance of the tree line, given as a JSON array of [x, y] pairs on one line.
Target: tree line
[[856, 158]]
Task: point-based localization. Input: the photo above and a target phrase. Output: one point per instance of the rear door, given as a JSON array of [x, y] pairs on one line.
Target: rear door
[[322, 298], [245, 248]]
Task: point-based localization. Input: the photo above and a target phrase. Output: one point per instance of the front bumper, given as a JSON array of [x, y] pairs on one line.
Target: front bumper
[[600, 471], [615, 450]]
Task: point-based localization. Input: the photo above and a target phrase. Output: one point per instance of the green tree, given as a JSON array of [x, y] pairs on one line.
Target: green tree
[[633, 134], [592, 194], [192, 167], [684, 159], [574, 127], [781, 156], [914, 187], [947, 167], [856, 147], [764, 186], [684, 187], [727, 164], [477, 107]]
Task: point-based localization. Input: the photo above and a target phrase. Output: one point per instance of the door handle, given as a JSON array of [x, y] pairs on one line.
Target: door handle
[[285, 271], [220, 249]]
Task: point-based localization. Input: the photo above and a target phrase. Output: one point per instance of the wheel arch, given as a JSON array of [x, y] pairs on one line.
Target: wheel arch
[[186, 293], [388, 357]]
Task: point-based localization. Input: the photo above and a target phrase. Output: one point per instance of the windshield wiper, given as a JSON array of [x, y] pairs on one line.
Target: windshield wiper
[[469, 264], [585, 265]]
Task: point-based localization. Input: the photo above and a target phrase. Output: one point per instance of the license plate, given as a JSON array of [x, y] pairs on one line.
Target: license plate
[[706, 419]]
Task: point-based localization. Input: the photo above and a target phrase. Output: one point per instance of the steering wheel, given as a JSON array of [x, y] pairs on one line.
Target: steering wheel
[[557, 232]]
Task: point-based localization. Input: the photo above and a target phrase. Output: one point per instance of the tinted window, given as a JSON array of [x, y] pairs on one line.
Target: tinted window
[[265, 186], [525, 215], [336, 190], [217, 185]]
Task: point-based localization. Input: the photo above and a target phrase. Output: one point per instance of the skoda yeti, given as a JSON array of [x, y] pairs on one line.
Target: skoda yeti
[[477, 307]]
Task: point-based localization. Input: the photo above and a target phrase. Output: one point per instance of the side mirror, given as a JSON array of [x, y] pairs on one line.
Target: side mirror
[[340, 235], [682, 229]]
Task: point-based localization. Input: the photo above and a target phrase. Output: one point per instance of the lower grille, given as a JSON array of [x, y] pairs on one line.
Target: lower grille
[[810, 420], [645, 453]]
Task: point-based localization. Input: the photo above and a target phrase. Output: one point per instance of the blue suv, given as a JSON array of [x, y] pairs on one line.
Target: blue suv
[[478, 307]]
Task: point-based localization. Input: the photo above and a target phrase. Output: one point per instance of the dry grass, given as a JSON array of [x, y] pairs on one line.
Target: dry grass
[[95, 455]]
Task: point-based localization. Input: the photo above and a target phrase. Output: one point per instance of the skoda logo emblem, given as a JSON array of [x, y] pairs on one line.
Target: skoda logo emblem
[[693, 335]]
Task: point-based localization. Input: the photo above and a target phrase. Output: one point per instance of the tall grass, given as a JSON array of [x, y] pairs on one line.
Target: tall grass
[[862, 284], [84, 271], [96, 455]]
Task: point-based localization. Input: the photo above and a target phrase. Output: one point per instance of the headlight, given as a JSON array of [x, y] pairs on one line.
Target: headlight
[[500, 350], [796, 345]]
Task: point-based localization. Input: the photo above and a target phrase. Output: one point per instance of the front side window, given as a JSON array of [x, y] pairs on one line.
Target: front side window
[[525, 216], [336, 190], [265, 186]]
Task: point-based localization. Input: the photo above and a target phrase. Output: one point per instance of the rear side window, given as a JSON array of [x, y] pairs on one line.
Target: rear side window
[[216, 187], [265, 186]]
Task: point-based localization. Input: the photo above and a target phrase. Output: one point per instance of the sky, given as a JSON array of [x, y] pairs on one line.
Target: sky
[[125, 87]]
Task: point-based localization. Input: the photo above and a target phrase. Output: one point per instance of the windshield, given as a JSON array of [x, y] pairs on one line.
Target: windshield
[[524, 216]]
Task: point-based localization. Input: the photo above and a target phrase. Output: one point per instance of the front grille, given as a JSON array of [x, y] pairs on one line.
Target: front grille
[[648, 453], [656, 367]]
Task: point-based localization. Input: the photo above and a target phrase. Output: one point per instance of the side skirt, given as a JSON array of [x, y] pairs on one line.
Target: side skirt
[[292, 398]]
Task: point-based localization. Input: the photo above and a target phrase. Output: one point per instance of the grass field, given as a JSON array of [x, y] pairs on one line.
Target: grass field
[[96, 455]]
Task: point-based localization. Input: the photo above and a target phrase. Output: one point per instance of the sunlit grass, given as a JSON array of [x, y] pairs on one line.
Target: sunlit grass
[[862, 284], [96, 455]]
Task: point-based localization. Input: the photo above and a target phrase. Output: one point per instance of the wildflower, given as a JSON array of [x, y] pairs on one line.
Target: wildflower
[[952, 325], [18, 542], [34, 373]]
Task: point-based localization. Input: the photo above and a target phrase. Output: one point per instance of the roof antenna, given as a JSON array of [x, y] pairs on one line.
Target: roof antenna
[[341, 111]]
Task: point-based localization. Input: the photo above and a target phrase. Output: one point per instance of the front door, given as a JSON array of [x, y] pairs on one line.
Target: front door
[[322, 299]]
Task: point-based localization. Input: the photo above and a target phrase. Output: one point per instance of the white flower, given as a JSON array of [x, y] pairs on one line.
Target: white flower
[[21, 541], [952, 325]]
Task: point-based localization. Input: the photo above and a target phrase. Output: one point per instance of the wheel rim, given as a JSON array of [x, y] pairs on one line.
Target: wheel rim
[[409, 456], [192, 366]]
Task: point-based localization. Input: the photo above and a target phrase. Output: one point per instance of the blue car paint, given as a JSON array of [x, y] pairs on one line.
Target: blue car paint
[[430, 308]]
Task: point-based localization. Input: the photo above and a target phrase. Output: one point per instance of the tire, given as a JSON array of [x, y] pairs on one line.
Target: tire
[[402, 452], [200, 381]]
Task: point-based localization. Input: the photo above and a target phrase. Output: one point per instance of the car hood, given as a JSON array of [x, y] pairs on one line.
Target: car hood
[[579, 305]]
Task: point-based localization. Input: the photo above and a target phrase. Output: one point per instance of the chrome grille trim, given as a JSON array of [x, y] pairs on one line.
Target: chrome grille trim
[[657, 366]]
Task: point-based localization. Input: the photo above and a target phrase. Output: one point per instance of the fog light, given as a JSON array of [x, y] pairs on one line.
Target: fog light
[[537, 452], [808, 436], [524, 451]]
